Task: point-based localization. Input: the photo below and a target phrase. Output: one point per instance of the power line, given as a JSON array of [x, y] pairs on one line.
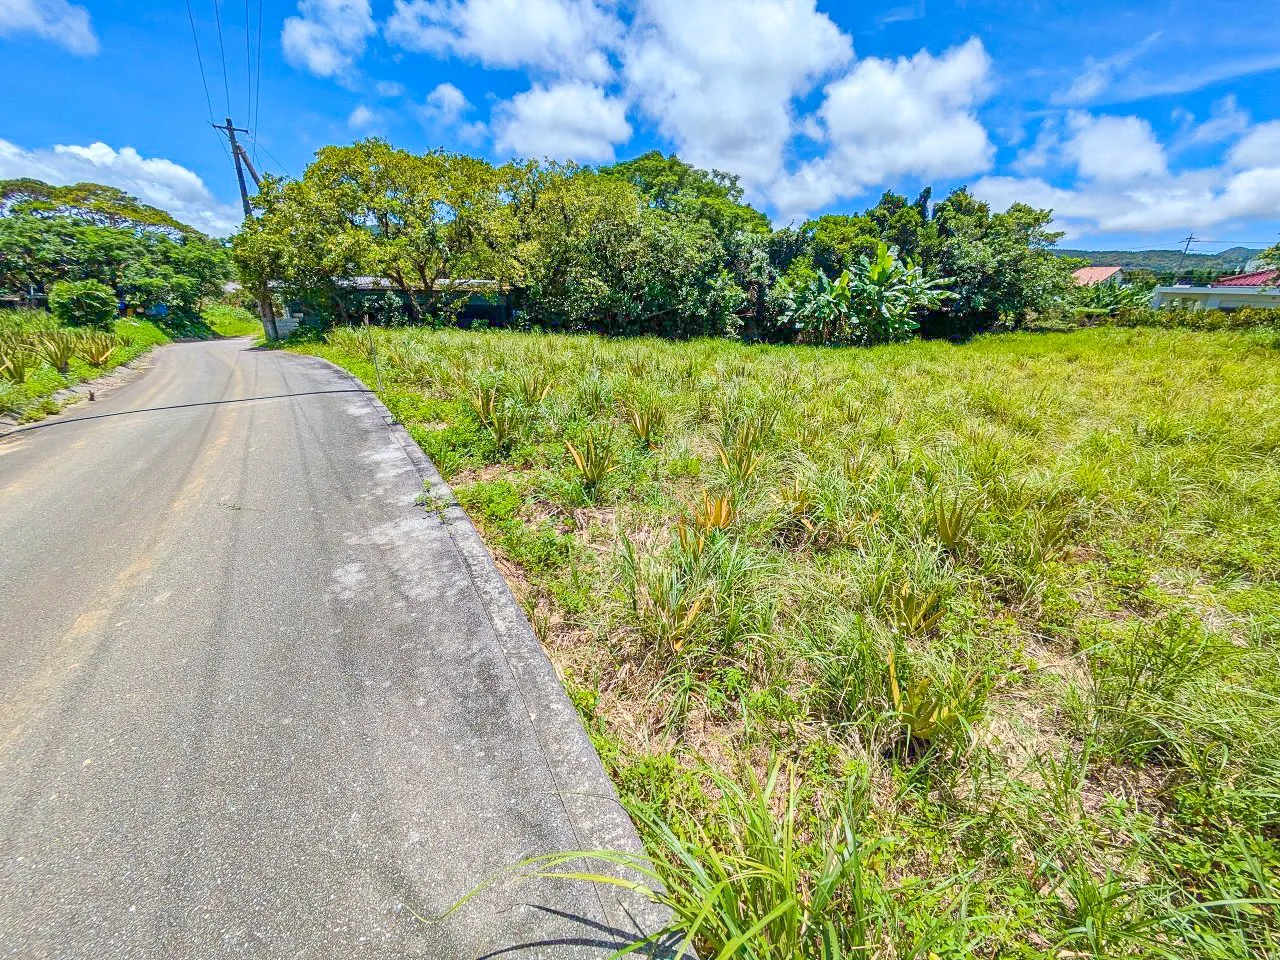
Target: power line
[[248, 64], [226, 85], [195, 38], [204, 81], [257, 85], [254, 136]]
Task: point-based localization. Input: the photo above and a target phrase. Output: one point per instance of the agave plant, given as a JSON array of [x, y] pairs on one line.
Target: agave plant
[[952, 520], [741, 448], [96, 347], [532, 388], [57, 347], [924, 711], [915, 611], [499, 414], [594, 460], [714, 513], [16, 360], [646, 421]]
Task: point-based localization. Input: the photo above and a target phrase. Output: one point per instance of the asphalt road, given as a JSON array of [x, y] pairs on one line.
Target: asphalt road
[[257, 701]]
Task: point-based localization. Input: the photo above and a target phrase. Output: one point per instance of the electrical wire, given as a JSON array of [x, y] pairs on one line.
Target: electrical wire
[[257, 84], [254, 136], [195, 38], [248, 64], [226, 84], [204, 81]]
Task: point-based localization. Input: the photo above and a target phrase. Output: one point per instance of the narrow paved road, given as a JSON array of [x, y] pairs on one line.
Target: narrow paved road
[[257, 701]]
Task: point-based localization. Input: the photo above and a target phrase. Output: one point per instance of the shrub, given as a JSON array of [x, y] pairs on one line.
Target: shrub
[[83, 303]]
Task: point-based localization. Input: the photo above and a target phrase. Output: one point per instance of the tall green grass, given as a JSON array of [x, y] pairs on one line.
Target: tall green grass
[[1020, 599]]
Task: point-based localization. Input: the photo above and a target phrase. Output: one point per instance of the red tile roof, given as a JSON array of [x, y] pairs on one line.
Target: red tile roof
[[1259, 278], [1091, 276]]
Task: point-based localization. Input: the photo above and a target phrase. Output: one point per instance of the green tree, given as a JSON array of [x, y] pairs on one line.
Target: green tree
[[668, 183], [422, 222], [82, 303], [875, 302]]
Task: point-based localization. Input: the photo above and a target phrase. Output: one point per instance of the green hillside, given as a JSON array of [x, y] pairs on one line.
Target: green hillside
[[1167, 261]]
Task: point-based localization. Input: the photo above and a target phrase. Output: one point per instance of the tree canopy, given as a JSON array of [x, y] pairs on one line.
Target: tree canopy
[[88, 231], [649, 245]]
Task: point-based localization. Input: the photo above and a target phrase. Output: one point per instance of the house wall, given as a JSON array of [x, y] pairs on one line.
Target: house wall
[[1216, 298]]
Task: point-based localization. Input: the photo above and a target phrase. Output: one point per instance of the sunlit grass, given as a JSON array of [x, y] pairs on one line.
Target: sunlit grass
[[1023, 594]]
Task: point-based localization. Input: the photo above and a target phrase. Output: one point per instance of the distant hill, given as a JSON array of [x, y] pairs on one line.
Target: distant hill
[[1167, 261]]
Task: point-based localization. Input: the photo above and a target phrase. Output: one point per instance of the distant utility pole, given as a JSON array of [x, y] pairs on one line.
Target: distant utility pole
[[1191, 238], [241, 158]]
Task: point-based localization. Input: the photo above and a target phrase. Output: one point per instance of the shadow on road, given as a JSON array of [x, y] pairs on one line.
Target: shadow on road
[[177, 406]]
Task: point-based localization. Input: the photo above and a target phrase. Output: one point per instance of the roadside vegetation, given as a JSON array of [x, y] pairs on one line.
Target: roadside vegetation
[[42, 353], [921, 650], [94, 278], [40, 356]]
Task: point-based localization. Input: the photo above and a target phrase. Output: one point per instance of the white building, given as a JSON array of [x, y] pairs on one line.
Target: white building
[[1260, 289]]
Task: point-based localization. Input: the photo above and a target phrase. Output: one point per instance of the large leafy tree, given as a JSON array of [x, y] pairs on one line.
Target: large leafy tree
[[1001, 265], [419, 221], [593, 256], [94, 232], [713, 196]]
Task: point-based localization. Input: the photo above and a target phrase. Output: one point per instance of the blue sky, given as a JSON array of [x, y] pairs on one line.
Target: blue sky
[[1137, 123]]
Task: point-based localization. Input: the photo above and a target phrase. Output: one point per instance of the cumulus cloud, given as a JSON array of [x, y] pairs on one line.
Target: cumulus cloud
[[363, 118], [1114, 149], [155, 180], [891, 118], [446, 108], [573, 120], [1260, 147], [568, 37], [719, 77], [1124, 185], [63, 23], [328, 36]]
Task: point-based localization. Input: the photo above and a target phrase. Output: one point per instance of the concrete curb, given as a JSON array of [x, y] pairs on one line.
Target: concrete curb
[[598, 818]]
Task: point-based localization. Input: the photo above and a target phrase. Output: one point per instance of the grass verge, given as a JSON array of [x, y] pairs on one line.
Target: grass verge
[[1006, 615]]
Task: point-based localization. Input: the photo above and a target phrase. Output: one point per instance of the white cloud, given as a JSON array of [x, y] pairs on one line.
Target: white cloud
[[1121, 78], [329, 36], [1227, 120], [891, 118], [446, 104], [1260, 147], [445, 109], [574, 120], [1114, 149], [567, 37], [1099, 75], [389, 88], [363, 118], [155, 180], [63, 23], [1124, 184], [719, 77]]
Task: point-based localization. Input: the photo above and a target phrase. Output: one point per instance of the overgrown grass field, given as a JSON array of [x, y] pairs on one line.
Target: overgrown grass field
[[1002, 618]]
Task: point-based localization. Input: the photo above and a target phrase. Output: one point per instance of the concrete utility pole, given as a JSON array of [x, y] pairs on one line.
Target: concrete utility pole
[[241, 158]]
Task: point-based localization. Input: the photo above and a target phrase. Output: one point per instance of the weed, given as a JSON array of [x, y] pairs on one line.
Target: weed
[[646, 420], [57, 347], [593, 460]]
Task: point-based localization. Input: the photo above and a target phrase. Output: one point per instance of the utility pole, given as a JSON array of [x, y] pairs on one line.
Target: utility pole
[[1191, 238], [241, 158]]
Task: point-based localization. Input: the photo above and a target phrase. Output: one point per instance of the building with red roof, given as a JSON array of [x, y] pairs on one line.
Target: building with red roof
[[1260, 289], [1094, 276]]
